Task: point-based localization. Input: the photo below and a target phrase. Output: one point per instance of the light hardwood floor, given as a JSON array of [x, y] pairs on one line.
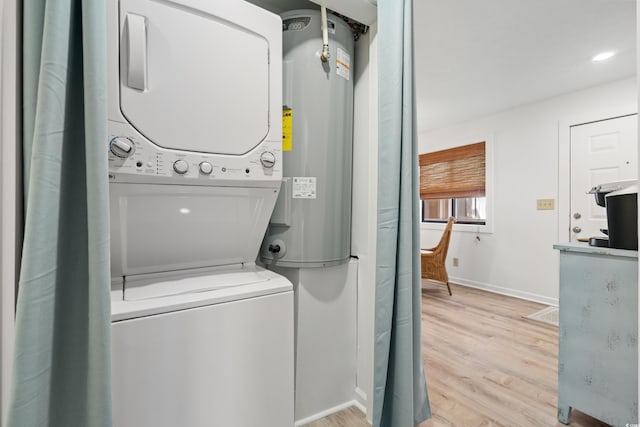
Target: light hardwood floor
[[485, 364]]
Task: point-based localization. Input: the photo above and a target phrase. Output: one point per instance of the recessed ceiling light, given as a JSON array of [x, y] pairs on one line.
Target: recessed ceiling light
[[602, 56]]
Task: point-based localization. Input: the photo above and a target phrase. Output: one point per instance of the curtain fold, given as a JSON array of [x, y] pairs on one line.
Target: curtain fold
[[63, 332], [400, 392]]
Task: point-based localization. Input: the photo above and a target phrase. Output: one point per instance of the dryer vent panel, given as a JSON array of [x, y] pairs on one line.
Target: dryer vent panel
[[311, 225]]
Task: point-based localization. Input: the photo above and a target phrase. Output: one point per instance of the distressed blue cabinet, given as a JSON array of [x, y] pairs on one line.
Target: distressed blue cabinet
[[598, 348]]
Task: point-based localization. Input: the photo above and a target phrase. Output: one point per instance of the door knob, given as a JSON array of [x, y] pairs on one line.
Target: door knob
[[577, 215], [576, 229]]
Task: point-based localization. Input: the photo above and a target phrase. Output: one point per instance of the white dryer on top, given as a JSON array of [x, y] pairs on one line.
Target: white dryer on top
[[195, 93], [201, 335]]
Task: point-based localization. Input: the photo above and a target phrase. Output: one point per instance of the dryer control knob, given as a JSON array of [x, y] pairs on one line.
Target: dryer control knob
[[268, 159], [181, 166], [121, 147], [206, 168]]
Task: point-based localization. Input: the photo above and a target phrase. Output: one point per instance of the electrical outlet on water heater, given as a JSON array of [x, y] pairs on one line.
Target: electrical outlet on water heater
[[311, 224]]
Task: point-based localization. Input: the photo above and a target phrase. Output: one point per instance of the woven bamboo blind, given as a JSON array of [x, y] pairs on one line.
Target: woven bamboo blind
[[454, 173]]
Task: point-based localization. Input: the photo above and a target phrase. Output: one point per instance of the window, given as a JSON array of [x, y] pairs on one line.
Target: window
[[452, 183], [468, 210]]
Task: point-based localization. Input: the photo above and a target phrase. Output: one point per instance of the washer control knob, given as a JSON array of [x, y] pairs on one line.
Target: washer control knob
[[180, 166], [206, 168], [121, 147], [268, 159]]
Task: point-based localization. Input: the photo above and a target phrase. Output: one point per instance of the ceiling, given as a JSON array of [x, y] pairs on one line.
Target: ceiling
[[474, 58]]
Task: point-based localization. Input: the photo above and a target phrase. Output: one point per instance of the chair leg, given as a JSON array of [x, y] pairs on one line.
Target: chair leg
[[449, 288]]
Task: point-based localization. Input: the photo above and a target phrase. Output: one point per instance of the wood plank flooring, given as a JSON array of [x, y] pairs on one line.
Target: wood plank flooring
[[350, 417], [485, 364]]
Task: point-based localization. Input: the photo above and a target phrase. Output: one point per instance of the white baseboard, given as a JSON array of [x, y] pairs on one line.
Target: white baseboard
[[330, 411], [361, 399], [360, 406], [542, 299]]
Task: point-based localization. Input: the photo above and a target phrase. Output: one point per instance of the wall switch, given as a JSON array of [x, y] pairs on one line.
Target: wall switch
[[545, 204], [456, 262]]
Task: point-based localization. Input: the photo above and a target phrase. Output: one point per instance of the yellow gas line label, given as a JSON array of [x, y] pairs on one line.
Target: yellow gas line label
[[287, 129]]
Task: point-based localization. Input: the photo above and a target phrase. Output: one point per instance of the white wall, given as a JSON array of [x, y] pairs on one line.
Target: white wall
[[325, 338], [8, 137], [364, 207], [517, 258]]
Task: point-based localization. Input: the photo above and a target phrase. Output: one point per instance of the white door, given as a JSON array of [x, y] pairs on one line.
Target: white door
[[601, 152]]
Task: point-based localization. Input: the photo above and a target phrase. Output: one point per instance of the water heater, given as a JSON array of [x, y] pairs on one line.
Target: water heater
[[311, 224]]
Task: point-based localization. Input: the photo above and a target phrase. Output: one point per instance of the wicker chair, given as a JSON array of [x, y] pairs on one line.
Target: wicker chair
[[433, 259]]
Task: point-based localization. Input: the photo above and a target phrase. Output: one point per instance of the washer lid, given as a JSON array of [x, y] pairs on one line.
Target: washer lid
[[163, 294], [194, 80], [164, 285]]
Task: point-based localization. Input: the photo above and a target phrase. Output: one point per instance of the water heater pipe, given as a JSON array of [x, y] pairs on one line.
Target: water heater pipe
[[324, 56]]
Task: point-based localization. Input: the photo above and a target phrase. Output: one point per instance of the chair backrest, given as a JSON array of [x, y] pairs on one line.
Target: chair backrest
[[443, 244]]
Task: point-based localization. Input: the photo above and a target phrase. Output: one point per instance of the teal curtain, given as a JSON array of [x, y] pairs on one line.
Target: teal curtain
[[61, 371], [400, 391]]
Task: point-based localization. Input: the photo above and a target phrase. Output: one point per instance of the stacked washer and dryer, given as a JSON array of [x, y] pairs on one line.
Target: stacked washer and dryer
[[201, 336]]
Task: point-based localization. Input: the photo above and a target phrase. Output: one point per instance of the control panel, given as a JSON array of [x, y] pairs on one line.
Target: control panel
[[133, 158]]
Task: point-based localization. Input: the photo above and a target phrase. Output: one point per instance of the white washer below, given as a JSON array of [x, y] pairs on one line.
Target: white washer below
[[213, 350]]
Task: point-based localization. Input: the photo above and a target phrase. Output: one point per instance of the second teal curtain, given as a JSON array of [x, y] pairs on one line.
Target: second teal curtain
[[400, 392], [62, 349]]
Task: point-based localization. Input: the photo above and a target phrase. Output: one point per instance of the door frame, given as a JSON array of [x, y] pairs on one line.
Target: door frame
[[10, 206], [564, 158]]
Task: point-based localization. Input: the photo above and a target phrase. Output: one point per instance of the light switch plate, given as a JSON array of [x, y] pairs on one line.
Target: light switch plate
[[545, 204]]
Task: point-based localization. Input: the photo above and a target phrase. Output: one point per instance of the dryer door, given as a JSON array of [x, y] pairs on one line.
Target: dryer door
[[193, 79]]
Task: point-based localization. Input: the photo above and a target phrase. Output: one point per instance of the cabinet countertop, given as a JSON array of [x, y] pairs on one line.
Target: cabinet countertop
[[595, 250]]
